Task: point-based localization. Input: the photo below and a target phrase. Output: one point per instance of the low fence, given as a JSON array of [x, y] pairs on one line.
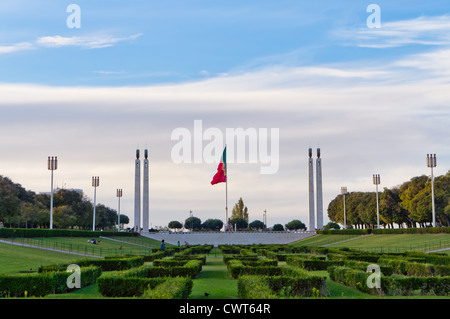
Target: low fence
[[71, 248]]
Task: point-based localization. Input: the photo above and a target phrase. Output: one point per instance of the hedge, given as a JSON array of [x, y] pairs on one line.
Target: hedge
[[404, 285], [312, 264], [125, 284], [41, 284], [237, 268], [107, 264], [33, 284], [292, 282], [191, 269], [88, 276], [44, 232], [171, 288]]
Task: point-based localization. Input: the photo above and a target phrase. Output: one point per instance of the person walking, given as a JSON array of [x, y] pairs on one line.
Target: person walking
[[163, 246]]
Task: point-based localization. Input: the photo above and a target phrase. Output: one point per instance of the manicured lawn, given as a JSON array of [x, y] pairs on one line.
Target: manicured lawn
[[381, 243], [214, 280], [16, 258], [128, 245]]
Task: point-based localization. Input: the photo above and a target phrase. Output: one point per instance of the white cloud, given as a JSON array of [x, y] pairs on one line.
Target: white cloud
[[434, 31], [57, 41], [366, 119], [21, 46], [88, 42]]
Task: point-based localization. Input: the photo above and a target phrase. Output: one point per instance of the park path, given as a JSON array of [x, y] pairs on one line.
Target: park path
[[214, 280]]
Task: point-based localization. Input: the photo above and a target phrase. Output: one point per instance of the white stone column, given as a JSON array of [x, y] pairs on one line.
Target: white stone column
[[137, 193], [319, 212], [311, 226], [145, 207]]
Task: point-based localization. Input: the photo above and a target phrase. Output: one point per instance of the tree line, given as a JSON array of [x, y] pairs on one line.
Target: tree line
[[407, 205], [25, 209], [239, 221]]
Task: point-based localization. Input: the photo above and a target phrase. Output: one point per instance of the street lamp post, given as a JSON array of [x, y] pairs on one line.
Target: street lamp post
[[376, 181], [431, 162], [344, 192], [265, 219], [119, 195], [95, 184], [190, 216], [52, 166]]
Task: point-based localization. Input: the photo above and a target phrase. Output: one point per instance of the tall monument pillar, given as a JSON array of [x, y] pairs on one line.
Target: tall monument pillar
[[311, 191], [319, 210], [137, 193], [145, 208]]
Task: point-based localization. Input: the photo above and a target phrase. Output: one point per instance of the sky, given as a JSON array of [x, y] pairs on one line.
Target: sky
[[93, 84]]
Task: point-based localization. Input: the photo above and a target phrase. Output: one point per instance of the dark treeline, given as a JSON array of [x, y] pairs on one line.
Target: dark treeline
[[407, 205], [25, 209]]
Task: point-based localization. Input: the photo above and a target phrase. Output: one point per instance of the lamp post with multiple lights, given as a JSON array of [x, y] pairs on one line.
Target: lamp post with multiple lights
[[431, 163], [52, 166], [119, 195], [376, 181], [95, 184]]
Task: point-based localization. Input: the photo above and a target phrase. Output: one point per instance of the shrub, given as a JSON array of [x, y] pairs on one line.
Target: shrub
[[123, 284], [88, 276], [252, 287], [15, 285], [191, 269], [312, 264], [107, 264], [170, 288]]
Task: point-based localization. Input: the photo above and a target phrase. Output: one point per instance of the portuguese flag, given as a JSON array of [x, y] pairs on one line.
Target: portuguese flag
[[221, 175]]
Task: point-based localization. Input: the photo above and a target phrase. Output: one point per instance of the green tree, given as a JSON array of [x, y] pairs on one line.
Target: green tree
[[193, 223], [239, 223], [278, 227], [256, 224], [212, 224], [295, 225], [240, 210], [331, 225], [174, 224]]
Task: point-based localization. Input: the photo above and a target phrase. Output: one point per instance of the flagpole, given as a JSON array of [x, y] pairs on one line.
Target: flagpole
[[226, 188]]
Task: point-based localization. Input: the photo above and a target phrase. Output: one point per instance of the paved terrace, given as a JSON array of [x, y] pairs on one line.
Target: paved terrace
[[230, 238]]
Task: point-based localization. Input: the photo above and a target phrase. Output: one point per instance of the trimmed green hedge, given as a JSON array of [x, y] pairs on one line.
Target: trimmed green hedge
[[34, 284], [41, 284], [43, 232], [126, 284], [312, 264], [237, 268], [107, 264], [191, 269], [291, 283], [404, 285], [171, 288]]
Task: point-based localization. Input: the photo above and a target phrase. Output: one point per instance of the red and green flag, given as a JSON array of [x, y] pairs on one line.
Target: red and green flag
[[221, 175]]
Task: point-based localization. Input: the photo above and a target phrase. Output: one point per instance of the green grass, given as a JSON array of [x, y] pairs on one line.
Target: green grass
[[214, 280], [16, 258], [382, 243], [127, 245]]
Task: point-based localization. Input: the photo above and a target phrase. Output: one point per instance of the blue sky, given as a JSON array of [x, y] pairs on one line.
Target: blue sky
[[150, 42], [374, 100]]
